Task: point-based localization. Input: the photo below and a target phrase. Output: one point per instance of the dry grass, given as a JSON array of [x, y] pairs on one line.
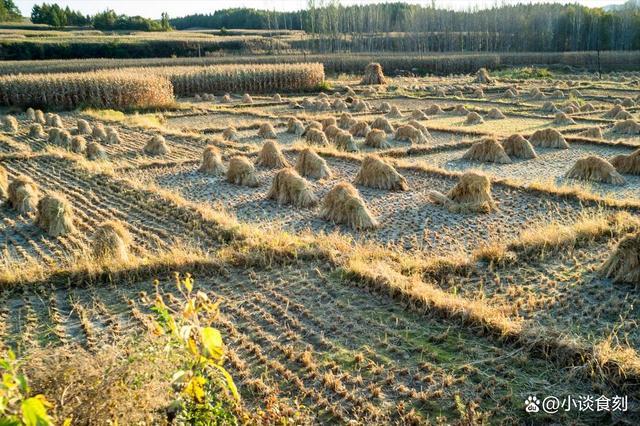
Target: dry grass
[[343, 204], [626, 127], [4, 184], [288, 187], [242, 172], [517, 146], [23, 194], [344, 141], [472, 194], [55, 215], [627, 164], [271, 156], [409, 133], [156, 146], [383, 124], [373, 74], [118, 89], [127, 383], [315, 136], [377, 138], [595, 169], [623, 265], [473, 118], [212, 162], [377, 173], [360, 129], [253, 78], [548, 138], [111, 242], [311, 165], [487, 150], [266, 131]]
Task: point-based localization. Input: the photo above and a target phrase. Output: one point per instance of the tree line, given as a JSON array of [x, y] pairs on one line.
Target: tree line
[[9, 11], [56, 16], [520, 27]]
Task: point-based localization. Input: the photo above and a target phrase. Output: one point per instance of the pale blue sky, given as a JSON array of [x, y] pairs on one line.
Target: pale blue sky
[[175, 8]]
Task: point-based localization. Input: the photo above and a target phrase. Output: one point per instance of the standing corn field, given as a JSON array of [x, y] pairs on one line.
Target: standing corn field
[[104, 89], [244, 78]]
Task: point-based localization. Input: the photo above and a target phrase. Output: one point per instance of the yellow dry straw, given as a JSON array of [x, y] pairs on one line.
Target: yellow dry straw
[[104, 89], [188, 81]]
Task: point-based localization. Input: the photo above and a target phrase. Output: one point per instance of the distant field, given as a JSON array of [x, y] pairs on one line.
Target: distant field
[[438, 64]]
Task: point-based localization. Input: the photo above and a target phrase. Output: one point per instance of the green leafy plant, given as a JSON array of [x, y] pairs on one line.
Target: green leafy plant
[[204, 388], [16, 406]]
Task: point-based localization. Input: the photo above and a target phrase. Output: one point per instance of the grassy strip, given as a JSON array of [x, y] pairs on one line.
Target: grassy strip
[[619, 366]]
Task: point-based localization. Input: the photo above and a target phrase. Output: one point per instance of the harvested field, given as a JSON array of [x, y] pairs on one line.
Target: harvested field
[[549, 167], [408, 218], [412, 308], [292, 323]]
